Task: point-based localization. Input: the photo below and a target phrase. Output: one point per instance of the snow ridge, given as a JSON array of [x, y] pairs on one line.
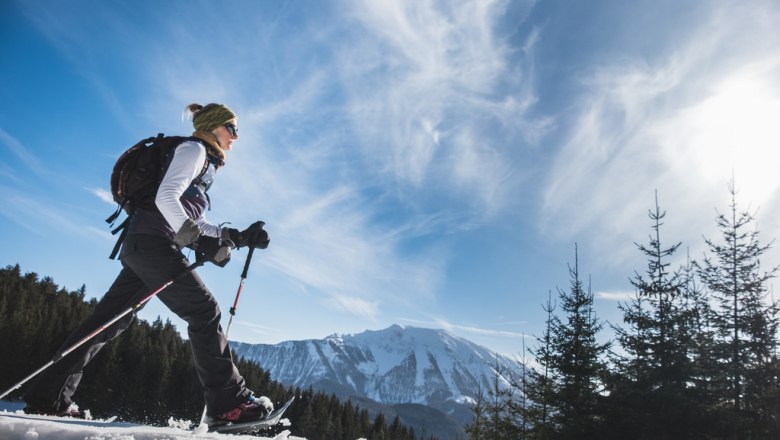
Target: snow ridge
[[391, 366]]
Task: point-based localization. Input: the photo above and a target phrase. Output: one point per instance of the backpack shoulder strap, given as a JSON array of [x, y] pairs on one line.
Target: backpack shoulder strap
[[210, 158]]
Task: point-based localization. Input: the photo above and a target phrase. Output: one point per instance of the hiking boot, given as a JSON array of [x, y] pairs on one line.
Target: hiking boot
[[255, 408], [72, 410]]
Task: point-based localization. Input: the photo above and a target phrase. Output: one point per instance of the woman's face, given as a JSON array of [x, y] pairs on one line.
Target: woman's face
[[227, 134]]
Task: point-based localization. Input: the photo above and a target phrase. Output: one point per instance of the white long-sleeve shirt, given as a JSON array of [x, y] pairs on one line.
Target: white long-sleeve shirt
[[186, 165]]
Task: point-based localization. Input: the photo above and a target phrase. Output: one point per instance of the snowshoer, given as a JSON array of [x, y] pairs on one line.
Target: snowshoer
[[151, 255]]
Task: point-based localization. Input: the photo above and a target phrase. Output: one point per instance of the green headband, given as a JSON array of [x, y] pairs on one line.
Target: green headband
[[212, 116]]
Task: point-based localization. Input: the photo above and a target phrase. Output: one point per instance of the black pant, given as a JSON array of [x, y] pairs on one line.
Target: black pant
[[148, 262]]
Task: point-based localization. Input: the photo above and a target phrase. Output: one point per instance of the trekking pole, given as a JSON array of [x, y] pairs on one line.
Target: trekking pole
[[233, 310], [238, 294], [78, 344]]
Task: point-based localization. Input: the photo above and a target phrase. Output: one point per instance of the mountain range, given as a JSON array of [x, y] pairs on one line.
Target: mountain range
[[428, 377]]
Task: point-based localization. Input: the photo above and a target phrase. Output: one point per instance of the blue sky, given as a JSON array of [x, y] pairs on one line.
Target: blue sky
[[426, 163]]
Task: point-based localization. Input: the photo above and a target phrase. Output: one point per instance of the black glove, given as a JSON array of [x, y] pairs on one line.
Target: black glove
[[259, 237], [253, 236], [213, 250], [233, 236]]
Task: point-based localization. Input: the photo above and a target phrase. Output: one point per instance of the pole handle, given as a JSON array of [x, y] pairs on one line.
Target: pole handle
[[246, 263]]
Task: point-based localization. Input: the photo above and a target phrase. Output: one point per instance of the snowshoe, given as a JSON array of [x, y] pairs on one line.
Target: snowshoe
[[255, 408], [71, 411]]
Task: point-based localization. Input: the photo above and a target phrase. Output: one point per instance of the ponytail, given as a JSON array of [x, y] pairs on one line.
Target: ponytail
[[191, 111]]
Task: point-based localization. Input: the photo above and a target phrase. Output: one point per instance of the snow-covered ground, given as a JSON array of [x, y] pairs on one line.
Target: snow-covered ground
[[15, 425]]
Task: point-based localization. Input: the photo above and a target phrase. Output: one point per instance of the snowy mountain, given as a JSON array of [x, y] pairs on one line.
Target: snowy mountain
[[394, 366]]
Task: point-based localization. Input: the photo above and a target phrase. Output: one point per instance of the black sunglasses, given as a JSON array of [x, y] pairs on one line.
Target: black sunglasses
[[232, 129]]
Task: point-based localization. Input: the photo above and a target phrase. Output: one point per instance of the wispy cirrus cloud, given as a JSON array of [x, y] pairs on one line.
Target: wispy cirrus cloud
[[489, 331], [23, 154], [103, 194], [615, 296], [39, 216], [429, 99], [683, 123], [410, 104]]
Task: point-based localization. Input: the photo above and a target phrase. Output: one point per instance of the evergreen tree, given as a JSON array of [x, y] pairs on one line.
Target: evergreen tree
[[396, 429], [657, 372], [539, 389], [379, 429], [746, 321], [701, 340], [477, 429], [575, 364], [519, 408], [500, 424]]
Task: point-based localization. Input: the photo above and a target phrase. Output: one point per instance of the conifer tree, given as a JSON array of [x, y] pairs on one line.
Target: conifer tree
[[477, 429], [396, 429], [379, 428], [519, 408], [746, 320], [653, 388], [701, 342], [500, 421], [575, 363], [539, 388]]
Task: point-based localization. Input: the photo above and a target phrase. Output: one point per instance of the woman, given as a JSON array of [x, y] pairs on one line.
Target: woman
[[151, 255]]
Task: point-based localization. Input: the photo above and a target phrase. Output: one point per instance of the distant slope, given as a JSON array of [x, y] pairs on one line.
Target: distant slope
[[396, 366]]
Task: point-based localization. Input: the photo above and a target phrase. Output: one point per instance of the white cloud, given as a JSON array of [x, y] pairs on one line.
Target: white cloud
[[41, 216], [354, 305], [681, 124], [257, 328], [430, 101], [103, 195], [439, 322], [615, 296]]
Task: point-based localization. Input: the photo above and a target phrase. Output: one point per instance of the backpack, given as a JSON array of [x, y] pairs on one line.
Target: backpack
[[137, 175]]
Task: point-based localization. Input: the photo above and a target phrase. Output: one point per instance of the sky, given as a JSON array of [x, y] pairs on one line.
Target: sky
[[422, 163]]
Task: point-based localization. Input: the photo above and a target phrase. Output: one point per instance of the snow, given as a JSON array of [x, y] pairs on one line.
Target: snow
[[15, 425], [399, 364]]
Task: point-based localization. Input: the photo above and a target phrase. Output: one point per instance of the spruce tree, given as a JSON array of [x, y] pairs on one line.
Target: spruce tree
[[746, 320], [575, 363], [653, 386], [500, 421], [477, 429], [701, 342], [539, 388]]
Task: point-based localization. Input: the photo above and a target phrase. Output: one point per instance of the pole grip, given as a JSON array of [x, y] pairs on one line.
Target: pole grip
[[246, 263]]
